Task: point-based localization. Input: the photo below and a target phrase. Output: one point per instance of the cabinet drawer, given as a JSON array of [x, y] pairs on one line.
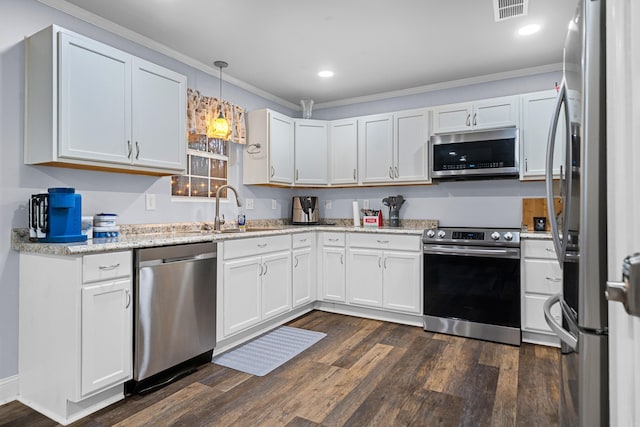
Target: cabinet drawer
[[542, 276], [333, 239], [302, 240], [538, 249], [385, 241], [256, 246], [106, 266], [534, 313]]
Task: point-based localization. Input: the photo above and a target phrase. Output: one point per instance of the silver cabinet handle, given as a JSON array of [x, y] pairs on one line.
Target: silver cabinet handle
[[262, 245], [341, 258], [391, 172], [130, 147], [302, 240], [379, 262], [296, 264], [549, 249], [384, 264], [109, 267], [468, 120], [354, 174], [261, 270], [384, 242], [397, 174], [333, 239], [526, 164], [553, 279], [273, 171], [266, 268], [475, 119], [137, 150], [296, 174], [128, 294]]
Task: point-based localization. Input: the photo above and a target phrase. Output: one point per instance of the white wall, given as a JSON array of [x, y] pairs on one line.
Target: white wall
[[488, 203]]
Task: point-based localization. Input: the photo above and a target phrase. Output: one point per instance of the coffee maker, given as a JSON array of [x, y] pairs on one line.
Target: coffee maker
[[56, 216], [304, 210]]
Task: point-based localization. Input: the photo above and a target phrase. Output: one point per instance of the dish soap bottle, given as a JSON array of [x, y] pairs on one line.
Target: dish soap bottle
[[242, 221]]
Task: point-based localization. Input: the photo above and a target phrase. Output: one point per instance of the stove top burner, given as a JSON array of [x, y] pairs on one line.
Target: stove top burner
[[472, 236]]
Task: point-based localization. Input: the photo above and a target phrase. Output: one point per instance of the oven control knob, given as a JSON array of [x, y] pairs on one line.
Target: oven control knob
[[495, 235], [441, 234], [508, 236], [431, 234]]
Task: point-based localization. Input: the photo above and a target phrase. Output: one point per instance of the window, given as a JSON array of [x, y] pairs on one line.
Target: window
[[207, 161]]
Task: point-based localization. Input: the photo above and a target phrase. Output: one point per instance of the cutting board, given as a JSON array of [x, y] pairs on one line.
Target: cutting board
[[537, 207]]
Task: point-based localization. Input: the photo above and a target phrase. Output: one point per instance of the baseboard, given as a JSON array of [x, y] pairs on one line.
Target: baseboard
[[8, 389]]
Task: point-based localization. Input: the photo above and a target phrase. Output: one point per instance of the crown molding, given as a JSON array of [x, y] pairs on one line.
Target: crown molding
[[105, 24]]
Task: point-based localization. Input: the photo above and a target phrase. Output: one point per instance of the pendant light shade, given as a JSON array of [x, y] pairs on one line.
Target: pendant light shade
[[221, 126]]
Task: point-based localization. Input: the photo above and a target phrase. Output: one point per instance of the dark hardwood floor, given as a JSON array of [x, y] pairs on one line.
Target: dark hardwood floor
[[363, 373]]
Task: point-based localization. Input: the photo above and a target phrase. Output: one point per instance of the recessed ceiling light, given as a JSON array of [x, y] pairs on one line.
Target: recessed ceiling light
[[527, 30], [326, 73]]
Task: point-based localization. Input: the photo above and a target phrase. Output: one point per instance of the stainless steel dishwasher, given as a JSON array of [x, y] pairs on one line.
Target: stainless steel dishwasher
[[175, 312]]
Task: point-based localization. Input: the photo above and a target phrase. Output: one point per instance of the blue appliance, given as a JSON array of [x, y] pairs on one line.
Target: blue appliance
[[56, 217]]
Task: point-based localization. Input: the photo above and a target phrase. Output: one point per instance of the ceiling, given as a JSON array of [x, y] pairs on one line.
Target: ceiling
[[375, 47]]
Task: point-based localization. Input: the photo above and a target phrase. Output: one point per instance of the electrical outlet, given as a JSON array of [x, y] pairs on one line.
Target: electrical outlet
[[274, 204], [365, 204], [328, 204], [249, 203], [150, 202]]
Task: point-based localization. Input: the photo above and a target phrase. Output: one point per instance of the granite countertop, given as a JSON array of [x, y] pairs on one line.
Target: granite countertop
[[149, 235], [535, 235]]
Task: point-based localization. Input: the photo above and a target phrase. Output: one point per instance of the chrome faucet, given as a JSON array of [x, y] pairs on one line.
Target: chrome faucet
[[217, 222]]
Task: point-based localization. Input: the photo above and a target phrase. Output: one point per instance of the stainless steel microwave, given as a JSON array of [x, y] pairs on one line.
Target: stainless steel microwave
[[476, 154]]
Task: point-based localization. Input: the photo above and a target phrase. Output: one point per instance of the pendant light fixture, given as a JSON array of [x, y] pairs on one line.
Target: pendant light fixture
[[221, 127]]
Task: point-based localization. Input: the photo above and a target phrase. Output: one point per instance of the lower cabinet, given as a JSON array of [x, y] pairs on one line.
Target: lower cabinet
[[304, 269], [541, 277], [388, 279], [333, 278], [76, 329], [256, 281]]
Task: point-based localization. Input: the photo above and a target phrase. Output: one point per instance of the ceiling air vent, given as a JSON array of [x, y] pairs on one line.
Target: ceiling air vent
[[506, 9]]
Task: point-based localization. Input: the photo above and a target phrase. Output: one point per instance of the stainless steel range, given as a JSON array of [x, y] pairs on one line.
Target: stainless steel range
[[472, 283]]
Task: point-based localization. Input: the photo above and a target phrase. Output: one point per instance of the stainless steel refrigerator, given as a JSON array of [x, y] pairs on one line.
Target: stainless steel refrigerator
[[579, 230]]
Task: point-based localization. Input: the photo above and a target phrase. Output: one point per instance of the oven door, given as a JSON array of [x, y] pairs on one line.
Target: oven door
[[479, 285]]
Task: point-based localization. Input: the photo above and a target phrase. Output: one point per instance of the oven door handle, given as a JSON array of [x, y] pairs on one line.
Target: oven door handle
[[512, 253]]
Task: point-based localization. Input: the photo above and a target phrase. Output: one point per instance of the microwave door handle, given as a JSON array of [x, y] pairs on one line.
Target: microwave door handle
[[551, 142], [565, 336]]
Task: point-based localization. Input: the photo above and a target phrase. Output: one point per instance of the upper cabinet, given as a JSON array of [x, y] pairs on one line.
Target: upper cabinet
[[343, 148], [537, 112], [311, 152], [484, 114], [268, 157], [89, 105], [394, 147]]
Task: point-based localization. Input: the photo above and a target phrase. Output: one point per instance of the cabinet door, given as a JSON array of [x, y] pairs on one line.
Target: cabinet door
[[537, 111], [94, 101], [364, 273], [376, 148], [333, 274], [343, 136], [276, 284], [533, 314], [411, 145], [106, 346], [495, 113], [281, 137], [159, 117], [303, 277], [402, 281], [452, 118], [241, 294], [542, 276], [311, 152]]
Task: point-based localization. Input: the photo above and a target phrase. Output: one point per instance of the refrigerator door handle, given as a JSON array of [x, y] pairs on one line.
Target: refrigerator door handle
[[560, 246], [628, 291], [565, 336]]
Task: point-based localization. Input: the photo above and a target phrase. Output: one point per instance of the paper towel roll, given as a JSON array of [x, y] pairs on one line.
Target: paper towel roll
[[356, 214]]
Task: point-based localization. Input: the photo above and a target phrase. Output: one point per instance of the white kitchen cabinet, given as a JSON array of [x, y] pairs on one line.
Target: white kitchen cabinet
[[304, 269], [537, 112], [482, 114], [375, 145], [411, 146], [76, 330], [541, 277], [269, 154], [343, 147], [256, 281], [385, 271], [89, 105], [333, 274], [311, 152]]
